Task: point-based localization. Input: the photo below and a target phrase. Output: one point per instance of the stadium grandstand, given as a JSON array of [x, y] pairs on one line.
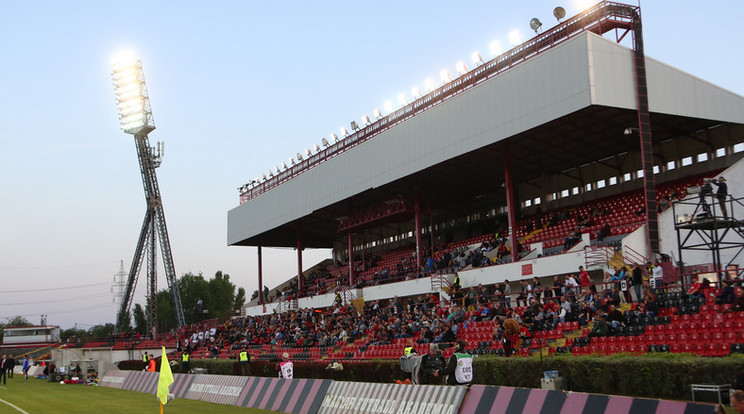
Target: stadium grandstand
[[480, 201]]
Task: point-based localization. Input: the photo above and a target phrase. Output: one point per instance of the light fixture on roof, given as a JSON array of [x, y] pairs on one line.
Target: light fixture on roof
[[271, 173], [284, 165], [416, 92], [476, 58], [496, 48], [354, 125], [325, 142], [389, 107], [316, 147], [535, 24], [257, 180], [299, 157], [559, 13], [334, 138], [292, 161], [377, 113], [445, 77], [308, 152], [631, 131], [344, 131], [515, 38], [277, 169], [402, 101], [365, 120], [430, 85], [263, 176], [461, 68]]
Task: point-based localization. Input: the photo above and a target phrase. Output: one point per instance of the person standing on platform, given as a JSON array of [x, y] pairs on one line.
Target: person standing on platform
[[185, 357], [460, 366], [285, 367], [244, 359], [721, 194]]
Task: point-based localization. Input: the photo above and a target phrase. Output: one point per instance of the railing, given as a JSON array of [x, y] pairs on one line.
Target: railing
[[602, 18], [632, 256]]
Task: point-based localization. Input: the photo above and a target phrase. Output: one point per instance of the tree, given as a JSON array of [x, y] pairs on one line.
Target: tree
[[73, 333], [254, 295], [166, 312], [140, 320], [101, 331], [192, 287], [125, 322], [17, 321], [239, 299], [223, 296]]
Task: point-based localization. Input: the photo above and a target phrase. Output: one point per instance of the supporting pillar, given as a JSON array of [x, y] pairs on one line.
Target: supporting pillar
[[417, 225], [510, 206], [261, 298], [431, 231], [350, 240], [300, 282], [646, 143]]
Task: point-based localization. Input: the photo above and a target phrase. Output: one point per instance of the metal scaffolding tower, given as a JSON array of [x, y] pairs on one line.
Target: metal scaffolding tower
[[136, 119]]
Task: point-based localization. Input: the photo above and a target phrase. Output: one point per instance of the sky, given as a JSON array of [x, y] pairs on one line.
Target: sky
[[236, 87]]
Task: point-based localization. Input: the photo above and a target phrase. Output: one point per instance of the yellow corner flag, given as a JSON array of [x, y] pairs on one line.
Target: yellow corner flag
[[166, 379]]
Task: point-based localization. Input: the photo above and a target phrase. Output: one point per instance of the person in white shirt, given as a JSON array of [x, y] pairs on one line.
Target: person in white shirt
[[285, 367]]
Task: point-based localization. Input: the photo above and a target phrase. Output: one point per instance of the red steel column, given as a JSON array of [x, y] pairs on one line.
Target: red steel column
[[261, 298], [300, 282], [350, 240], [431, 231], [417, 224], [510, 206]]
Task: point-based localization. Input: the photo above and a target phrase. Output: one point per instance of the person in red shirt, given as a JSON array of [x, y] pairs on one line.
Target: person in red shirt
[[585, 280]]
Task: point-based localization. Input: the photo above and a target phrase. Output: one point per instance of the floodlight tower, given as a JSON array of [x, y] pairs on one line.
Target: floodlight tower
[[135, 117]]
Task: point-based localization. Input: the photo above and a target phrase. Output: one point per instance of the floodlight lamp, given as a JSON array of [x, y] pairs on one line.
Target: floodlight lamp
[[476, 58], [416, 92], [271, 173], [308, 152], [461, 68], [389, 107], [430, 85], [292, 161], [334, 137], [299, 157], [445, 77], [316, 147], [366, 120], [257, 180], [263, 176], [559, 13], [496, 48], [354, 125], [377, 113], [277, 169], [344, 131], [535, 24], [631, 131], [132, 100], [325, 142], [515, 38], [402, 101], [284, 165]]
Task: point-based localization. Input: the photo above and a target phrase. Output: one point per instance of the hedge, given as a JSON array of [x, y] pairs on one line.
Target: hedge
[[665, 376]]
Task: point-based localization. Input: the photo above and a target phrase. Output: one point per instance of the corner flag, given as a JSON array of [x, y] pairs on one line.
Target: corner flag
[[165, 380]]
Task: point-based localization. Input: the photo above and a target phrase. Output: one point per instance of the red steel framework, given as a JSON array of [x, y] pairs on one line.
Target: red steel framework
[[602, 18]]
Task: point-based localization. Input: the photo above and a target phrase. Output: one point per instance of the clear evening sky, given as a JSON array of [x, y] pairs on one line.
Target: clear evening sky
[[236, 88]]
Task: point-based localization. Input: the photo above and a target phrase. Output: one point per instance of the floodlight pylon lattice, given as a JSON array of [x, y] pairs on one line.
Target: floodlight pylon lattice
[[135, 116]]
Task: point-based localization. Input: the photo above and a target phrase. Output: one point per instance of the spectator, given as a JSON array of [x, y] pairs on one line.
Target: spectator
[[727, 295], [604, 232], [600, 326], [721, 194]]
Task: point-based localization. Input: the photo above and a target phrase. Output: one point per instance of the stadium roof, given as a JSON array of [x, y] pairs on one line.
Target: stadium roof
[[564, 108]]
